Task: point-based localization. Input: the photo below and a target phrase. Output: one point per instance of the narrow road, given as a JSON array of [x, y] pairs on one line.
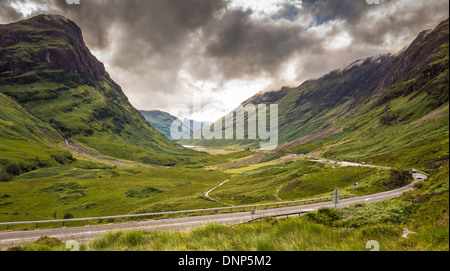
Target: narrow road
[[87, 233]]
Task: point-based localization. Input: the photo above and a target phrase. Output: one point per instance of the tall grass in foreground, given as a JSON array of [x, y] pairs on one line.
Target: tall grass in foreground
[[295, 234], [422, 211]]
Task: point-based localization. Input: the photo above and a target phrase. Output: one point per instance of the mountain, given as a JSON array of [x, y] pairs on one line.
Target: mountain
[[196, 125], [56, 96], [383, 108], [163, 122]]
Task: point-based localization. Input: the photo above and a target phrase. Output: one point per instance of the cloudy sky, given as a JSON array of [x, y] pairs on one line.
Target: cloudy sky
[[169, 52]]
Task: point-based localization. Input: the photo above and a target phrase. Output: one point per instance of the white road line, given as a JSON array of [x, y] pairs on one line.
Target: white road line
[[178, 224]]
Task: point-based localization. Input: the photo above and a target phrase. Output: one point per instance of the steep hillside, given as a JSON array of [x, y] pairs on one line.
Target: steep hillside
[[385, 108], [163, 121], [54, 87]]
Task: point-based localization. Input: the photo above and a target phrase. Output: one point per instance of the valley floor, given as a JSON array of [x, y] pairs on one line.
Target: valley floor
[[248, 183]]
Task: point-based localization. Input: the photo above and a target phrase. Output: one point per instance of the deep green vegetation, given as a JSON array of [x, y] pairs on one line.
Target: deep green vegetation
[[53, 89], [422, 212], [389, 110], [103, 192], [71, 146], [304, 180]]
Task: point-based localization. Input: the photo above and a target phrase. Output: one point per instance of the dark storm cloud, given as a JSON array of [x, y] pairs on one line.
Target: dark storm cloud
[[237, 44], [161, 23], [149, 38], [240, 45], [243, 46], [147, 44], [8, 13], [403, 20]]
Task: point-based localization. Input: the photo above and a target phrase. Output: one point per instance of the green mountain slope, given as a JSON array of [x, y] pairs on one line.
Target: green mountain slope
[[384, 109], [163, 121], [54, 87]]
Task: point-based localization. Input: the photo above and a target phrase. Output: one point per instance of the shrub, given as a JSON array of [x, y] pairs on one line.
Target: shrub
[[398, 178], [13, 169], [27, 167], [5, 177], [326, 216], [66, 191], [389, 118], [40, 164], [5, 196], [65, 131], [142, 193], [16, 169], [63, 158], [68, 216], [418, 185]]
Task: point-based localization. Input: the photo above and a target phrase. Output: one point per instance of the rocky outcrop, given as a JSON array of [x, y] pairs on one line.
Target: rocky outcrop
[[46, 43]]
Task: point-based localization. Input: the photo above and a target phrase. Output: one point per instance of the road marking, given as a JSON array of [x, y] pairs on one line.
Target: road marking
[[198, 221]]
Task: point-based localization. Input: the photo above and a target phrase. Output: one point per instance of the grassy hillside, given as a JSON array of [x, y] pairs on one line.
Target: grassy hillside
[[26, 143], [47, 71], [71, 145], [163, 121], [303, 179], [86, 191], [422, 212], [389, 109]]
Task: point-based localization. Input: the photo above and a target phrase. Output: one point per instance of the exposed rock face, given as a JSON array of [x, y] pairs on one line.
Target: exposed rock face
[[46, 43], [47, 72], [419, 62], [317, 108]]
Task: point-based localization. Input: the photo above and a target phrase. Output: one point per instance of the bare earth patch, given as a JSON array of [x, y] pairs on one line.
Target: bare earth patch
[[432, 115], [88, 154]]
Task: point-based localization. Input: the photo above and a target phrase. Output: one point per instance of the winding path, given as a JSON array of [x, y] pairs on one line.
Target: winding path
[[213, 199], [87, 233], [276, 194]]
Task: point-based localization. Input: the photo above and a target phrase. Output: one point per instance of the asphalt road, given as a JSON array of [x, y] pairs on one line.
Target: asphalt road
[[87, 233]]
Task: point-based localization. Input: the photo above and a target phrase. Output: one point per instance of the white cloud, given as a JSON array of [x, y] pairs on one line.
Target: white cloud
[[340, 41], [160, 62], [216, 99], [264, 8], [29, 7]]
